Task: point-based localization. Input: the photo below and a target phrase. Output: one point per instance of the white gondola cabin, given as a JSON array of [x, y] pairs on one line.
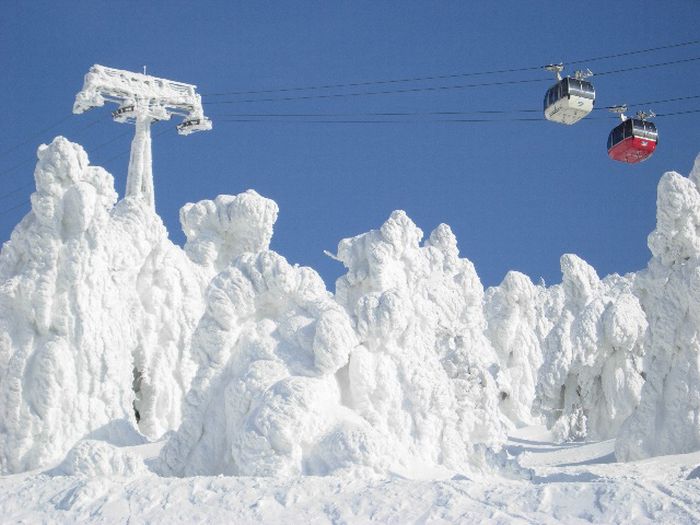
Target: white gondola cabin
[[570, 99]]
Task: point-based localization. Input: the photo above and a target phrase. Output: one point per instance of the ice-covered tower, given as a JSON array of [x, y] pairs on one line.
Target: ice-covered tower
[[142, 100]]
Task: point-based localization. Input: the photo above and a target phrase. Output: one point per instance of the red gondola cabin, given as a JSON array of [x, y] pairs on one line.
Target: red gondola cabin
[[633, 140]]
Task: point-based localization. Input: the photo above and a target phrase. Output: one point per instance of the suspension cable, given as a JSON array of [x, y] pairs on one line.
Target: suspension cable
[[444, 77], [34, 135], [322, 119], [27, 161], [438, 88], [430, 113]]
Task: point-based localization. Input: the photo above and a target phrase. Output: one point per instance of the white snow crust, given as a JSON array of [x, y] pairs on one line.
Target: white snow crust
[[243, 364], [573, 484]]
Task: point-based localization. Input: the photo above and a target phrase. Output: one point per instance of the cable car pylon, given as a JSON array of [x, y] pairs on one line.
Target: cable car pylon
[[143, 99], [634, 139], [571, 98]]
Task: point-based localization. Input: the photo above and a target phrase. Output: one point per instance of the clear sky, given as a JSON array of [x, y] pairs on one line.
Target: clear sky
[[517, 194]]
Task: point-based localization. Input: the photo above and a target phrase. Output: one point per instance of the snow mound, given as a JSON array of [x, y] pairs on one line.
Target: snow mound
[[424, 374], [667, 420], [266, 400], [591, 378], [91, 458]]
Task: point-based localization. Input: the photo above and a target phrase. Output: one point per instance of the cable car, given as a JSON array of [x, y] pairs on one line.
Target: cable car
[[191, 125], [634, 139], [571, 98]]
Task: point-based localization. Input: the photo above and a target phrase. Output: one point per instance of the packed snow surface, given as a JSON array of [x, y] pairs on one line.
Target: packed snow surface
[[233, 361], [573, 483]]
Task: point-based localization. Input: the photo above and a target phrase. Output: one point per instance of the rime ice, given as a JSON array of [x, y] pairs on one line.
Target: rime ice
[[96, 309], [111, 335]]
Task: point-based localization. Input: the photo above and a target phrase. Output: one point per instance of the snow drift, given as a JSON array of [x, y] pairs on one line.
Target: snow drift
[[109, 332]]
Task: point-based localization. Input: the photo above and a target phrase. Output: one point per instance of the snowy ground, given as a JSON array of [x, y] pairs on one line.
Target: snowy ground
[[573, 483]]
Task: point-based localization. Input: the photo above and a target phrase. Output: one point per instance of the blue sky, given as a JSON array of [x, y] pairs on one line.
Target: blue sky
[[516, 194]]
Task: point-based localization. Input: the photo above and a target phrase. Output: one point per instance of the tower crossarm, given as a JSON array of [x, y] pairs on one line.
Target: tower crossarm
[[158, 98]]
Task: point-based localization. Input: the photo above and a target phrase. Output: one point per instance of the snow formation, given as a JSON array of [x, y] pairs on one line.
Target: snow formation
[[90, 458], [94, 303], [265, 395], [667, 420], [424, 374], [110, 333], [291, 383], [518, 317], [591, 378]]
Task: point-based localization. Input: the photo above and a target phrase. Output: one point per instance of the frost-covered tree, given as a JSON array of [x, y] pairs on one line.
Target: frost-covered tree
[[592, 375], [290, 383], [518, 314], [95, 303], [667, 420], [424, 373], [266, 400]]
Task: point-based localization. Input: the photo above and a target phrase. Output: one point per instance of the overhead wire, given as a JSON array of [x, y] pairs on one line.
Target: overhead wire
[[222, 117], [662, 101], [46, 129], [16, 190], [384, 92], [287, 117], [322, 119], [34, 135], [449, 76], [647, 66], [38, 134], [441, 88], [381, 114], [676, 113], [17, 207], [96, 148]]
